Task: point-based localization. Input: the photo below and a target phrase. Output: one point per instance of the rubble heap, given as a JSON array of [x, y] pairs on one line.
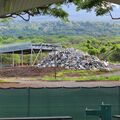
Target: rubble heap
[[72, 59]]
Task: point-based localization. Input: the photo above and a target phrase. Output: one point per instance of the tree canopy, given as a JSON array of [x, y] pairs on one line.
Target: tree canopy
[[101, 7]]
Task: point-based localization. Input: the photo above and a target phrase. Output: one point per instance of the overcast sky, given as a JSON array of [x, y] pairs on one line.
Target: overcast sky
[[80, 16]]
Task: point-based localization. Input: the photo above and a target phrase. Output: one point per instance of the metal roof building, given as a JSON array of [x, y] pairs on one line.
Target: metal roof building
[[27, 47]]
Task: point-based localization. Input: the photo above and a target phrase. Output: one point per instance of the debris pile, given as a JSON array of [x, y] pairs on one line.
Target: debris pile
[[72, 59]]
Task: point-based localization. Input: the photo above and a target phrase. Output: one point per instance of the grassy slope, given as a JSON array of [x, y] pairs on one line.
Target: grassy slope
[[101, 47], [98, 39], [82, 75]]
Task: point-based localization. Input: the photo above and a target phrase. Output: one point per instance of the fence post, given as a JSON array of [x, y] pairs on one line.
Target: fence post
[[28, 102], [119, 99]]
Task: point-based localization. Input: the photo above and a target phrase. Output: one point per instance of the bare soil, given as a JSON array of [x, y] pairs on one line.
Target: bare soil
[[26, 71], [20, 77]]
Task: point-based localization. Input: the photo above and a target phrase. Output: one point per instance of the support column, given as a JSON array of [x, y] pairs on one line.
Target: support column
[[19, 60], [40, 55], [31, 57], [1, 60], [13, 60]]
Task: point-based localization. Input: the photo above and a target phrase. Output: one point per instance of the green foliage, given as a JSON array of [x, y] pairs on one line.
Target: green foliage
[[103, 50], [55, 11], [2, 81], [81, 75], [103, 43], [31, 29], [90, 78], [8, 59], [93, 51], [100, 6], [115, 56]]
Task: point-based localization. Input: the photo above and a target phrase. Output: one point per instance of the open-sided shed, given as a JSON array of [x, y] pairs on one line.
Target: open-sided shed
[[28, 48]]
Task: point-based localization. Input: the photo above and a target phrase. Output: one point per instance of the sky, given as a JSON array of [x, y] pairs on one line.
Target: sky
[[82, 15]]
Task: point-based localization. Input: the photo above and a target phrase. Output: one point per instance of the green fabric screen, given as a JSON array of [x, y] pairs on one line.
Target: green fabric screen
[[42, 102]]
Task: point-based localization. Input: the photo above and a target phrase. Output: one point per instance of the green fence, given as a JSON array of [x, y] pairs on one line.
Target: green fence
[[42, 102]]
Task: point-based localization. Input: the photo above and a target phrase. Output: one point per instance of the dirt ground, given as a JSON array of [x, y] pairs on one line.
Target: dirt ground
[[20, 77], [26, 71]]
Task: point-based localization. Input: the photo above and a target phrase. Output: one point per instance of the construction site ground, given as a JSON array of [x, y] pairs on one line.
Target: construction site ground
[[20, 77]]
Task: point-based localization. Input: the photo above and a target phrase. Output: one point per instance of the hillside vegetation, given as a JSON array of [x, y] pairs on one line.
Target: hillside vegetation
[[96, 38], [18, 28]]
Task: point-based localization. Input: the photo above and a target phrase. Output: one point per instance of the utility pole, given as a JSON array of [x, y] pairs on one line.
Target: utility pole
[[31, 57], [13, 63], [55, 72], [22, 57]]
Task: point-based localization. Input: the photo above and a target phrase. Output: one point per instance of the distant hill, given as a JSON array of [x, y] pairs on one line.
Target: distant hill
[[21, 28], [97, 38]]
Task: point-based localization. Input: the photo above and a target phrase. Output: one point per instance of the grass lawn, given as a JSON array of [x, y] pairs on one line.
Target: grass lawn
[[81, 75], [2, 81]]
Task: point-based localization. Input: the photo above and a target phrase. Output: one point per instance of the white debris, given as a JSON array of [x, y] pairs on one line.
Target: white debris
[[72, 59]]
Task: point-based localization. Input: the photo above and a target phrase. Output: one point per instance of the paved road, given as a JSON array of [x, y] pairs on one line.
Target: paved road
[[44, 84]]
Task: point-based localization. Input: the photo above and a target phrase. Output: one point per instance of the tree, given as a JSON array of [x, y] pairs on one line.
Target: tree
[[101, 7]]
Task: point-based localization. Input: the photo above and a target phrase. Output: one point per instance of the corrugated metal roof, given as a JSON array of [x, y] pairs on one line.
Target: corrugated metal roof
[[26, 47], [15, 47], [13, 6]]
